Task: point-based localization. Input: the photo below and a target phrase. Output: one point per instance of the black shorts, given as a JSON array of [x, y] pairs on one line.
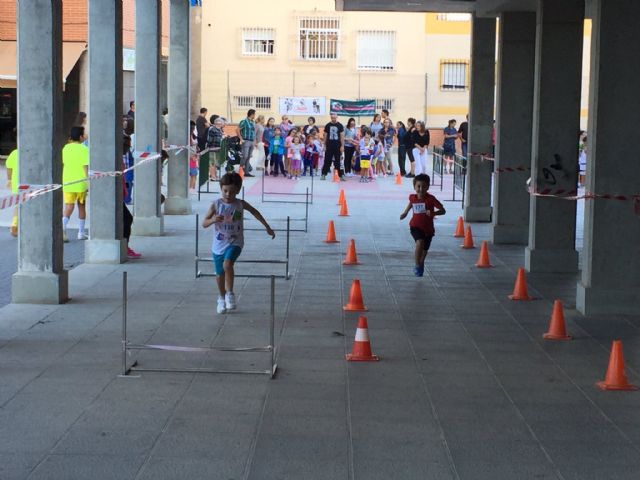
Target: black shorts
[[419, 234]]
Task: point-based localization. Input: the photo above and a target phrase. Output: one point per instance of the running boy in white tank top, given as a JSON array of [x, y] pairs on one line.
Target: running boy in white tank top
[[226, 213]]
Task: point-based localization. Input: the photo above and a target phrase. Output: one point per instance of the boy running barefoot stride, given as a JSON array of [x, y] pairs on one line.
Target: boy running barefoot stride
[[425, 206], [226, 213]]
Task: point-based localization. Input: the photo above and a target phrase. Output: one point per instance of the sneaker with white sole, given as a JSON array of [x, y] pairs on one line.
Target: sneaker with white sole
[[222, 308], [230, 301], [82, 236]]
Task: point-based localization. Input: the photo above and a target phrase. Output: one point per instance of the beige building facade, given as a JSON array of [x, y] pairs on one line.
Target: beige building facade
[[413, 64]]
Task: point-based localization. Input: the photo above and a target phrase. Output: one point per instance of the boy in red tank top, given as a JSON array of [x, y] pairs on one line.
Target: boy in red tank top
[[425, 206]]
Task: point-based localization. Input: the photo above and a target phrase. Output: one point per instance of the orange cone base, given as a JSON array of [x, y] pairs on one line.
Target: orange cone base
[[354, 308], [603, 386], [516, 298], [351, 263], [332, 241], [551, 336], [357, 358], [483, 266]]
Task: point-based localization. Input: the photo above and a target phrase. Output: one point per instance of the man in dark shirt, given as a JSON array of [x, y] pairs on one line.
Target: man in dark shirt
[[202, 125], [334, 146], [463, 134], [132, 109]]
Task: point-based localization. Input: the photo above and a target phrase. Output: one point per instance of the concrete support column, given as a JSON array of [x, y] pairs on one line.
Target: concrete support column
[[483, 53], [556, 122], [514, 117], [41, 277], [196, 61], [178, 202], [105, 99], [611, 257], [147, 215]]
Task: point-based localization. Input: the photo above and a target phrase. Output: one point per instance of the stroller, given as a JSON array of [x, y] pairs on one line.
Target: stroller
[[234, 152]]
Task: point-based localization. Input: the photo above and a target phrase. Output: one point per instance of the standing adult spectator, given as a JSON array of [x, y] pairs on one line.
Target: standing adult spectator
[[246, 131], [310, 127], [385, 114], [449, 145], [389, 137], [202, 125], [268, 134], [401, 132], [285, 126], [376, 125], [258, 141], [132, 109], [215, 136], [409, 145], [334, 146], [350, 143], [421, 140], [463, 134]]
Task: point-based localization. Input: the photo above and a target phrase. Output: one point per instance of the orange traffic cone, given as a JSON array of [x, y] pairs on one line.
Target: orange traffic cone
[[336, 177], [352, 256], [361, 351], [468, 238], [341, 197], [241, 172], [331, 233], [615, 378], [344, 210], [557, 328], [356, 303], [459, 228], [398, 179], [483, 259], [520, 288]]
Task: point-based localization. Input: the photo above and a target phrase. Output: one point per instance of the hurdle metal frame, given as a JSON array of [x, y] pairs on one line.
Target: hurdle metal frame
[[127, 347], [437, 167], [459, 178], [308, 195], [284, 262]]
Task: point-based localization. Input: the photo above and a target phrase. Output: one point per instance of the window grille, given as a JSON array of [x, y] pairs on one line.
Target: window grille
[[453, 17], [319, 38], [454, 75], [376, 50], [251, 101], [382, 103], [258, 41]]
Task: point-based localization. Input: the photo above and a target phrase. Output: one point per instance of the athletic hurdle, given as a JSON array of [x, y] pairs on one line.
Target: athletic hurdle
[[308, 195], [284, 262], [134, 367]]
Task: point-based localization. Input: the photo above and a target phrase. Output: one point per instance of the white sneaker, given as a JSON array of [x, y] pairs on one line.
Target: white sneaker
[[230, 301], [221, 306], [82, 236], [65, 239]]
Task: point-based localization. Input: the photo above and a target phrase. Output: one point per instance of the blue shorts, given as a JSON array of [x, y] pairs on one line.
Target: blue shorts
[[193, 172], [232, 252]]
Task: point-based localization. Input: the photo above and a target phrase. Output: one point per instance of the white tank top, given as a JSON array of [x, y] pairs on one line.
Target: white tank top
[[229, 232]]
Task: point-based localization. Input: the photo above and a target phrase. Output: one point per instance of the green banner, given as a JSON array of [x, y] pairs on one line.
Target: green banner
[[353, 108]]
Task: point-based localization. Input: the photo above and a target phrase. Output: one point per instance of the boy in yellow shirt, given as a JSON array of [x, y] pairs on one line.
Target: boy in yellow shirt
[[12, 182], [75, 166]]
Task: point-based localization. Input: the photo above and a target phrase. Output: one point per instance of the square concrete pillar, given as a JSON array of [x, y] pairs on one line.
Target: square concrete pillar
[[481, 98], [105, 101], [41, 277], [178, 202], [610, 281], [514, 122], [147, 214], [556, 122]]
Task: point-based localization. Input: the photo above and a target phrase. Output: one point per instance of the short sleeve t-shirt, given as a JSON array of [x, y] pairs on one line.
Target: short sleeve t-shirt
[[12, 163], [75, 157], [423, 212], [229, 232], [450, 143], [332, 133]]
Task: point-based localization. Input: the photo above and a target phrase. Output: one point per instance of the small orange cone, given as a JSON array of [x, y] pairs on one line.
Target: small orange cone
[[361, 351], [520, 288], [468, 238], [615, 379], [356, 304], [352, 256], [398, 179], [557, 328], [336, 177], [341, 197], [331, 233], [344, 210], [483, 259], [459, 228], [241, 172]]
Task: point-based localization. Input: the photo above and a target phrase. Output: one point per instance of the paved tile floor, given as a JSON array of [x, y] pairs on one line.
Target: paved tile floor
[[465, 388]]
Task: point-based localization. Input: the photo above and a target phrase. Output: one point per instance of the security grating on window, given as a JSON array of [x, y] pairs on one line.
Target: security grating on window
[[250, 101], [382, 103], [258, 41], [454, 75], [319, 38], [453, 17], [376, 50]]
